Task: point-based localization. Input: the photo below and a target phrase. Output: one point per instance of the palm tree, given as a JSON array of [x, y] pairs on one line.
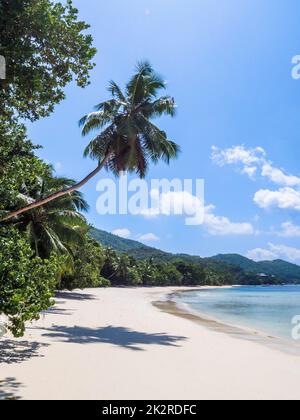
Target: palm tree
[[128, 138], [121, 266], [58, 225]]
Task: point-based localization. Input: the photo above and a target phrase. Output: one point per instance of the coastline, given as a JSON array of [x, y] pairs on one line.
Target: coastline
[[172, 306], [114, 344]]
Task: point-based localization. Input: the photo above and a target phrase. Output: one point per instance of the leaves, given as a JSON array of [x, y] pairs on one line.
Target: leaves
[[46, 46], [58, 226], [127, 133], [26, 283]]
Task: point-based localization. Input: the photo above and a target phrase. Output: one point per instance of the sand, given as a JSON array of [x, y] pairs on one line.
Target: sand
[[114, 344]]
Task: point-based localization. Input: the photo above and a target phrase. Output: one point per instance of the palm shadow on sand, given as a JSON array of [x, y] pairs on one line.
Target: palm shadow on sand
[[118, 336], [74, 296], [9, 388]]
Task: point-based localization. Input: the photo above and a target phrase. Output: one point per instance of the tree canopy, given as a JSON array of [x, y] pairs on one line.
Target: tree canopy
[[46, 46], [126, 132]]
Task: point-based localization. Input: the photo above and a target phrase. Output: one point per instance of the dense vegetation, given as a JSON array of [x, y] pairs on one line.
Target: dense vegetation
[[287, 272], [45, 47], [224, 269], [45, 240]]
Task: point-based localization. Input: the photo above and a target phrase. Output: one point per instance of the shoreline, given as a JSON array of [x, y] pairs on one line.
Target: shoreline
[[113, 344], [171, 306]]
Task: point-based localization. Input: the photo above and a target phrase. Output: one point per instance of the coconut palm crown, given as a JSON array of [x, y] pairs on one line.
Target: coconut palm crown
[[129, 139]]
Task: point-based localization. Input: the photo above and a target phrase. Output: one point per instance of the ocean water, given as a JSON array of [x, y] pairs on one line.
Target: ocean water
[[268, 309]]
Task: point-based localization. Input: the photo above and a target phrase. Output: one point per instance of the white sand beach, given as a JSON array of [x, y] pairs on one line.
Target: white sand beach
[[114, 344]]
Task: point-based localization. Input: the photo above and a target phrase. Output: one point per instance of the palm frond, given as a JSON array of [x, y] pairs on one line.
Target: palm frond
[[95, 121], [46, 227], [100, 146], [67, 217], [135, 86], [162, 106], [127, 133], [111, 106], [116, 92]]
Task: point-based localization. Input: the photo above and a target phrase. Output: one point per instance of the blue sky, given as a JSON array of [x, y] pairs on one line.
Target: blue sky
[[228, 65]]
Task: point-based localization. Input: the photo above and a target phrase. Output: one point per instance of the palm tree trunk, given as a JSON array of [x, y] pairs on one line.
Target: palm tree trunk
[[36, 248], [56, 195]]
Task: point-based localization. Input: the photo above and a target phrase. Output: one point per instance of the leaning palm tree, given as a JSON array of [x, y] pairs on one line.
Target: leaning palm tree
[[128, 139], [57, 226]]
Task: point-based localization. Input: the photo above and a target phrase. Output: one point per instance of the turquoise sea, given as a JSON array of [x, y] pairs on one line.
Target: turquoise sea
[[269, 309]]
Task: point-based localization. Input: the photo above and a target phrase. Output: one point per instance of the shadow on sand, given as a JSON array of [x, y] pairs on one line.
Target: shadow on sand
[[13, 351], [117, 336], [58, 311], [9, 388], [74, 296]]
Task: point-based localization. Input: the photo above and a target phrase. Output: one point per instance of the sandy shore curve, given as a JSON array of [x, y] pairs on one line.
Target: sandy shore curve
[[113, 343]]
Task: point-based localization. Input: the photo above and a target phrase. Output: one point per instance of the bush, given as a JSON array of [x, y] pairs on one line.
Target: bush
[[27, 284], [87, 266]]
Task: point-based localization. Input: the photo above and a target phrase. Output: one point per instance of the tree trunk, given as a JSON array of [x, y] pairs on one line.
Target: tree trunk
[[56, 195]]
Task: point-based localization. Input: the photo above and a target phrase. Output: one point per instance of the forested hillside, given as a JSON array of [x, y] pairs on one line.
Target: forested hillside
[[233, 265]]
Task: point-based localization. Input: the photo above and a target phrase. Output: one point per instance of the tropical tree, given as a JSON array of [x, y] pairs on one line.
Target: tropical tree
[[88, 262], [27, 283], [45, 46], [125, 271], [58, 226], [193, 274], [148, 272], [19, 164], [128, 138]]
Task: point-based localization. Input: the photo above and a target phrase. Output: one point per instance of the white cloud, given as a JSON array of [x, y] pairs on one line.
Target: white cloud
[[250, 171], [222, 226], [148, 237], [285, 252], [260, 254], [275, 252], [238, 155], [172, 203], [249, 161], [284, 198], [122, 233], [277, 176], [289, 230]]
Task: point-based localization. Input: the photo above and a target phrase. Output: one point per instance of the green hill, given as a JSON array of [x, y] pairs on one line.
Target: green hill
[[230, 263], [278, 268], [117, 243]]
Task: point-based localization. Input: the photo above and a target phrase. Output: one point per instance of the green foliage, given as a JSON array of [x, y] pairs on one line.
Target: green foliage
[[128, 138], [57, 226], [119, 244], [167, 275], [218, 271], [45, 46], [88, 263], [283, 270], [26, 283], [19, 165], [120, 269], [125, 270], [192, 274]]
